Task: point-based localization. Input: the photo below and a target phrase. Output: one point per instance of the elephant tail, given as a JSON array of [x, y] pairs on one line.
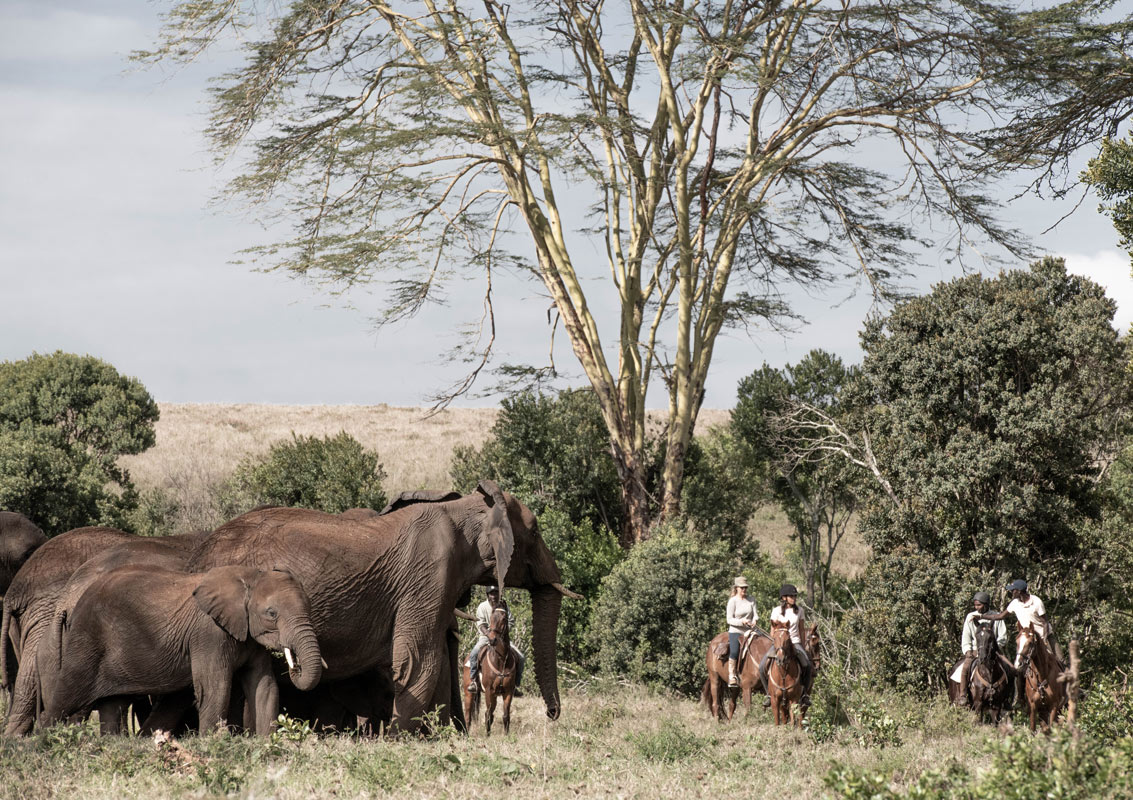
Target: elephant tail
[[58, 628]]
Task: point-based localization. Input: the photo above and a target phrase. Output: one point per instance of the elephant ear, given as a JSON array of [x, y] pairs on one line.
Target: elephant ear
[[423, 496], [498, 529], [223, 594]]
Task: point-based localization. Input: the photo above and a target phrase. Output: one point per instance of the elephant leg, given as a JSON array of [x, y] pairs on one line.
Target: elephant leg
[[261, 695], [112, 715], [212, 688], [458, 719], [416, 669], [167, 713]]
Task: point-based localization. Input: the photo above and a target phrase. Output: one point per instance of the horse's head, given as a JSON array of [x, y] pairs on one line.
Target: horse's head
[[814, 647], [986, 646], [781, 641], [498, 633]]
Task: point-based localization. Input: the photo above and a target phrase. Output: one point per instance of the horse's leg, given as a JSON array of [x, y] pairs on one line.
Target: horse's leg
[[507, 708], [489, 710]]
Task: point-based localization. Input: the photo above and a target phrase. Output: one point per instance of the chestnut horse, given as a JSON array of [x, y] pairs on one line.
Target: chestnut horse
[[784, 677], [497, 674], [1044, 692], [716, 689]]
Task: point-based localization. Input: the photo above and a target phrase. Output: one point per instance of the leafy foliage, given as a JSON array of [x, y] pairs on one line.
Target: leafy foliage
[[722, 489], [549, 449], [1111, 174], [817, 489], [661, 606], [330, 474], [64, 422]]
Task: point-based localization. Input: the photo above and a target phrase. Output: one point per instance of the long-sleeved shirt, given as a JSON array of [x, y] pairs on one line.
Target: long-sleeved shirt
[[968, 639], [740, 610]]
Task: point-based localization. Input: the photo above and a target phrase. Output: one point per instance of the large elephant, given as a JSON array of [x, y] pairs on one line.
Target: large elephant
[[28, 609], [141, 630], [19, 538], [383, 588]]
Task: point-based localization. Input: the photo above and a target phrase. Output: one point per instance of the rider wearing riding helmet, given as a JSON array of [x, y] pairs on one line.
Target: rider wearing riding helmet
[[787, 611], [981, 603]]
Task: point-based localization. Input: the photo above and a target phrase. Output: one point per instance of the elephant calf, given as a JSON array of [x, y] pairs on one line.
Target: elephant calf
[[150, 631]]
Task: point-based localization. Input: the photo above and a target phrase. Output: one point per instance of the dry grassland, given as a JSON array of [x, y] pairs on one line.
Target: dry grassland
[[617, 742], [200, 444]]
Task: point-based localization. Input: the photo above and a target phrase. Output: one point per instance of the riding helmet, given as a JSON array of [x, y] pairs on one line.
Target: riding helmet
[[982, 597], [788, 589], [493, 590]]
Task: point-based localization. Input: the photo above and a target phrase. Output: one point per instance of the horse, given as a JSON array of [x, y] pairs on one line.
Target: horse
[[813, 647], [784, 677], [1045, 694], [497, 674], [989, 683], [716, 689]]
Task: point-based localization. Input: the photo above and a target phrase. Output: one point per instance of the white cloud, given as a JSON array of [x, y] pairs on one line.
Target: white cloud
[[1111, 269]]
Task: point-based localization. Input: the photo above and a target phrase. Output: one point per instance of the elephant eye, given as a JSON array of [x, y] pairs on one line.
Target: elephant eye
[[271, 613]]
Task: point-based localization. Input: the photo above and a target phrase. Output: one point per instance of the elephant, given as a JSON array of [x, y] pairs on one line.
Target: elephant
[[383, 588], [19, 538], [141, 630], [28, 608], [166, 552]]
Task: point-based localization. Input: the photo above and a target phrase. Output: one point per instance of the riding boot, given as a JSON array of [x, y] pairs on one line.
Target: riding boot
[[474, 678], [732, 673]]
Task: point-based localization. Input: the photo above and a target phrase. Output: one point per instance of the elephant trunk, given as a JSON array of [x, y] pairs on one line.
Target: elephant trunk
[[546, 603], [304, 659]]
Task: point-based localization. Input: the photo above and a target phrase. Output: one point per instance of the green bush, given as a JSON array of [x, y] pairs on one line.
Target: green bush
[[659, 608], [722, 488], [585, 556], [330, 474], [64, 422], [1020, 767]]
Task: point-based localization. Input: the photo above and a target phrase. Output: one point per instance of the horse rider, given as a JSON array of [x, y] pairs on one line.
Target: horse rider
[[787, 611], [1029, 611], [981, 604], [483, 623], [742, 616]]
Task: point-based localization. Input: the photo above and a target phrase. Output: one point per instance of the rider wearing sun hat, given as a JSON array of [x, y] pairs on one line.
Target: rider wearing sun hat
[[787, 611], [741, 616]]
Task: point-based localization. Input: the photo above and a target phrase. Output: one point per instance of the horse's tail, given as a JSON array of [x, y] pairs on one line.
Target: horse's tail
[[706, 692]]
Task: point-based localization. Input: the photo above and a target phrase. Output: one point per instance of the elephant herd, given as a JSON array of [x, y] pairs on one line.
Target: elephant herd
[[361, 605]]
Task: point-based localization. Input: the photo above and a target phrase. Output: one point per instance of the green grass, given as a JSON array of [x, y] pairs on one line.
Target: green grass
[[612, 741]]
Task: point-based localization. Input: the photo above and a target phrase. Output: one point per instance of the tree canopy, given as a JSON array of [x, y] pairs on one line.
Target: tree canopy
[[64, 421], [1111, 174], [718, 147]]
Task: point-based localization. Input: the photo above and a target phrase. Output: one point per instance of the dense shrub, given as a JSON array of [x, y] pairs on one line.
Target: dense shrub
[[64, 422], [330, 474], [549, 450], [722, 488], [659, 608]]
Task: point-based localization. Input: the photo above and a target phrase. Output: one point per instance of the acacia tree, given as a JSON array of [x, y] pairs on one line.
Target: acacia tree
[[1111, 174], [715, 141]]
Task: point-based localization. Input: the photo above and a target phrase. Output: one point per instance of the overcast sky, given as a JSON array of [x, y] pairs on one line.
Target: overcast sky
[[109, 245]]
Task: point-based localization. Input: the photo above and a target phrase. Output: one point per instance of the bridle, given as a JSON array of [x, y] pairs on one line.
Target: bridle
[[784, 656]]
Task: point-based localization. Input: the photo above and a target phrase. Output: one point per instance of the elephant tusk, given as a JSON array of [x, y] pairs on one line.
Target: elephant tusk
[[324, 662], [567, 592], [290, 659], [460, 614]]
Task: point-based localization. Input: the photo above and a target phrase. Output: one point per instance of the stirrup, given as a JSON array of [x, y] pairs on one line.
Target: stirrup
[[474, 685], [767, 701]]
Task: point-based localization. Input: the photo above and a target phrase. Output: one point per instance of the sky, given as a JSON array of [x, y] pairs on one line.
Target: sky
[[110, 246]]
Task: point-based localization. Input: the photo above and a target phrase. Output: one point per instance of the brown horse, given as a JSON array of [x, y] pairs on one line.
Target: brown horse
[[784, 677], [716, 691], [1044, 692], [497, 674]]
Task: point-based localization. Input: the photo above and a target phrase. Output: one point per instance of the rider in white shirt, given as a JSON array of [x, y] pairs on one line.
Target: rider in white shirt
[[791, 614]]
